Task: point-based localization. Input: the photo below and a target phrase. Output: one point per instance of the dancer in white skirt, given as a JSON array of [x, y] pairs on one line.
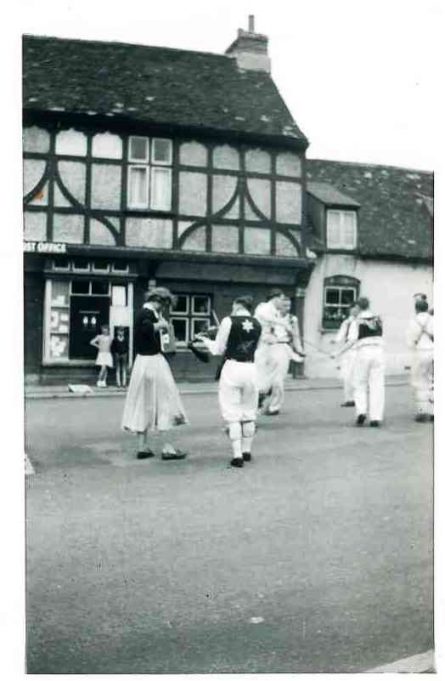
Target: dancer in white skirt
[[236, 340], [153, 402]]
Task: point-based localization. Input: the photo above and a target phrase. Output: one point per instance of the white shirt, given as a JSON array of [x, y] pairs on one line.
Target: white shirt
[[344, 332], [270, 320], [420, 331]]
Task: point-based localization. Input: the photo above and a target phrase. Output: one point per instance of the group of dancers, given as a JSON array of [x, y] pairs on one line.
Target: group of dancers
[[257, 346]]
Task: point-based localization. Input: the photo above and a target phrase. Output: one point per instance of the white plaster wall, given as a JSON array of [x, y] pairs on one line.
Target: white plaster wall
[[289, 164], [390, 287], [193, 154], [71, 142], [35, 139]]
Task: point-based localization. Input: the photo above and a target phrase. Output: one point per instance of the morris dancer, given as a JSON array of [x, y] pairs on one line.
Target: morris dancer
[[369, 382], [153, 402], [237, 340], [287, 347], [420, 337], [348, 358], [269, 315]]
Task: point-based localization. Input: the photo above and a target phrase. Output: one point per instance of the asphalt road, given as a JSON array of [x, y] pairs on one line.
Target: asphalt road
[[317, 557]]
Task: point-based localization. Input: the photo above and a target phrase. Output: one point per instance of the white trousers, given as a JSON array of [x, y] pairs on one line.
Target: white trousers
[[422, 381], [347, 374], [238, 391], [280, 366], [369, 382], [264, 367]]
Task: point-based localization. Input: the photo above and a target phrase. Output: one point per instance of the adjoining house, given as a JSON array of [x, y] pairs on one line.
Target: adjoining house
[[371, 233], [148, 165]]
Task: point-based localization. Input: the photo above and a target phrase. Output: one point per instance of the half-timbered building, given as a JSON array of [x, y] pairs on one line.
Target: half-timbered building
[[147, 164]]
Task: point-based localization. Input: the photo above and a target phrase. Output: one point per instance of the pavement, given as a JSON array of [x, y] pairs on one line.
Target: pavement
[[316, 557], [187, 388]]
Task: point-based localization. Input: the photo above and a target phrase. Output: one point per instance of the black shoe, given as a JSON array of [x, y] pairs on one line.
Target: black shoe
[[144, 455], [361, 418], [271, 413], [348, 403], [237, 462], [422, 418], [374, 424], [247, 456]]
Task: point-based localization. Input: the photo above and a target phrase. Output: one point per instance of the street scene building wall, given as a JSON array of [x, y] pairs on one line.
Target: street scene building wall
[[132, 182]]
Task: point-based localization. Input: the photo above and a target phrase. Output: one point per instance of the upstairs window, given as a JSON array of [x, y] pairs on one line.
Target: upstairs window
[[149, 173], [341, 229]]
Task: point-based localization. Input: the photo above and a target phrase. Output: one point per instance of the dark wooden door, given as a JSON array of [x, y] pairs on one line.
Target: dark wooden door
[[87, 315]]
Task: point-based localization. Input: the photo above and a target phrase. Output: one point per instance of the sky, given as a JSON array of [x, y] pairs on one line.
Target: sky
[[359, 76]]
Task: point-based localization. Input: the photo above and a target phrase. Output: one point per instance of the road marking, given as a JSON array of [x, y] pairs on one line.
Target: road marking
[[408, 665], [29, 468]]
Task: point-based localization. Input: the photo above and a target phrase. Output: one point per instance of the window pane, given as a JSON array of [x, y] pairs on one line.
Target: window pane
[[99, 288], [81, 286], [199, 325], [201, 305], [347, 296], [333, 228], [161, 151], [181, 304], [81, 264], [119, 295], [102, 265], [60, 293], [138, 186], [138, 150], [332, 296], [161, 194], [61, 264], [180, 327], [120, 267]]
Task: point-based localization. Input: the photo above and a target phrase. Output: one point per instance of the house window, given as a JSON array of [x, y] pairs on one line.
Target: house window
[[338, 295], [191, 314], [341, 229], [149, 173]]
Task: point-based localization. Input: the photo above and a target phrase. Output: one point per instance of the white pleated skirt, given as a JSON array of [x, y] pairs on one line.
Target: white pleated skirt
[[153, 401]]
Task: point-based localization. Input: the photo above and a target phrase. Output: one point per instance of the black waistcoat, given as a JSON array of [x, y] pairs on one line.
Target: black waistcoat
[[369, 327], [243, 338]]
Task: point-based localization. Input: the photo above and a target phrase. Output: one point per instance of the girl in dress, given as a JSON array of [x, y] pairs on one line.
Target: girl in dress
[[153, 403], [104, 357]]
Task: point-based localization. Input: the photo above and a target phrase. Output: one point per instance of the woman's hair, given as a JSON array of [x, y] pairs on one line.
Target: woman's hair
[[274, 293], [245, 301], [421, 305], [363, 303]]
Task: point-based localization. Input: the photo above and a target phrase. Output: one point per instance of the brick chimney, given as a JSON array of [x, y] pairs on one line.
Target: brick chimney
[[250, 49]]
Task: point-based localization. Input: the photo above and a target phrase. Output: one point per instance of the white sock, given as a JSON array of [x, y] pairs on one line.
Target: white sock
[[246, 444], [237, 451]]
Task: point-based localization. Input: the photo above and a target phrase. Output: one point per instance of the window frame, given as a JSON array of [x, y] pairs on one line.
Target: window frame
[[150, 165], [140, 161], [341, 245], [340, 283], [190, 316]]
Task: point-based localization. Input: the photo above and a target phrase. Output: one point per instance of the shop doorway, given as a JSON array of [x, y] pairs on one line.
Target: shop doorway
[[87, 315]]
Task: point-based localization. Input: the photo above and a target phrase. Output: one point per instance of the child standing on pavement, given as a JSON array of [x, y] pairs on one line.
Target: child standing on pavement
[[104, 358], [119, 348]]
